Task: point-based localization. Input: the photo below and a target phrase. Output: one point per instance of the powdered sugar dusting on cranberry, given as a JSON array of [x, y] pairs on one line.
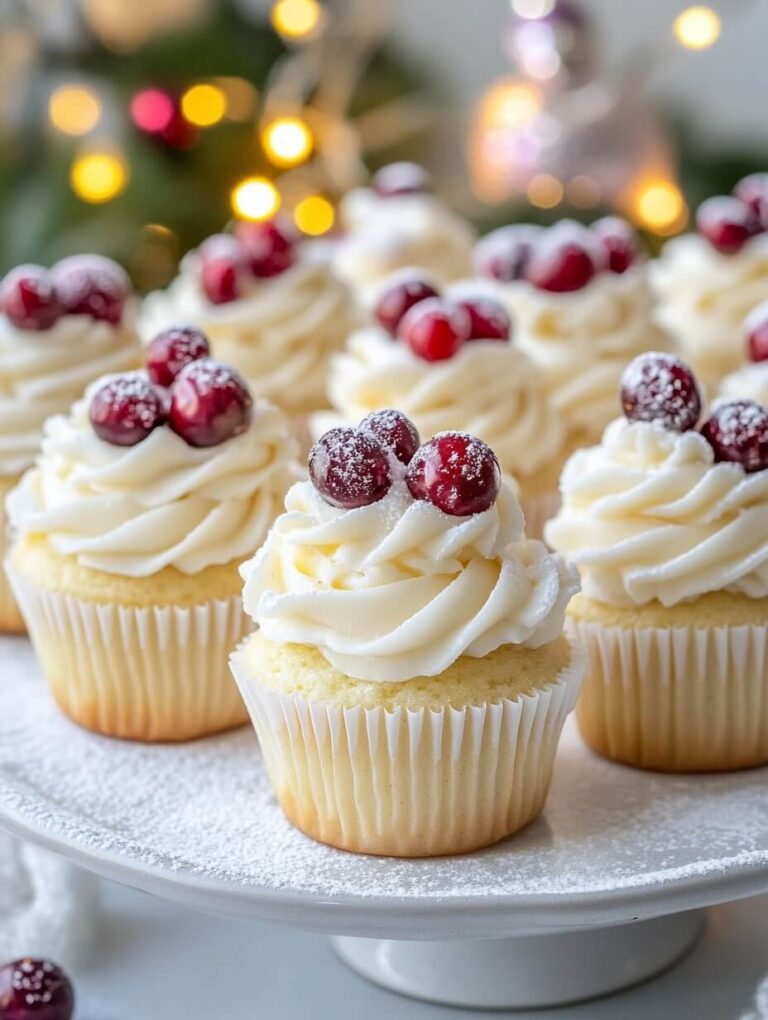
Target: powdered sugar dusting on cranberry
[[35, 988], [394, 431], [349, 468], [125, 410], [92, 285], [738, 433], [456, 472], [210, 403], [660, 387]]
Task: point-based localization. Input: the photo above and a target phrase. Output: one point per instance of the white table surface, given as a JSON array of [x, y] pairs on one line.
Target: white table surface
[[157, 961]]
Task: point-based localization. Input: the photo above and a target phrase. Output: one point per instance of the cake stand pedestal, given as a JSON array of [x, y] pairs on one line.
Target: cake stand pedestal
[[606, 889]]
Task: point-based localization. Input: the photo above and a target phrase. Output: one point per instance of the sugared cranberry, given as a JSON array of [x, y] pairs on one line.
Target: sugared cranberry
[[125, 410], [394, 431], [401, 179], [561, 265], [267, 248], [738, 432], [35, 990], [92, 285], [456, 472], [662, 388], [757, 333], [210, 403], [219, 278], [726, 223], [399, 298], [174, 349], [504, 253], [349, 468], [435, 329], [28, 298], [489, 319], [753, 191], [619, 240]]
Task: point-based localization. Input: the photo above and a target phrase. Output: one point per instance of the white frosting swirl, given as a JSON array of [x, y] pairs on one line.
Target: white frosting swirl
[[43, 372], [648, 515], [280, 335], [704, 297], [136, 510], [582, 342], [748, 383], [490, 389], [399, 589]]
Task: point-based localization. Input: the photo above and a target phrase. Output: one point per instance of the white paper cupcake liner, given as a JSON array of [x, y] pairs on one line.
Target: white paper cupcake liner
[[676, 699], [154, 674], [537, 510], [410, 783]]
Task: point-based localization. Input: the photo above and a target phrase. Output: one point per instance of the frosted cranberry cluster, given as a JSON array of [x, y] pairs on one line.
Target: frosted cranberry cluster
[[35, 990], [729, 221], [255, 251], [662, 388], [757, 333], [434, 327], [560, 259], [35, 298], [353, 467], [203, 401]]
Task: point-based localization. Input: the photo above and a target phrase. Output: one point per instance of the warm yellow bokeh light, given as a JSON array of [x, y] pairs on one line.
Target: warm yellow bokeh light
[[583, 191], [287, 141], [545, 191], [296, 19], [255, 198], [204, 105], [241, 97], [314, 215], [509, 105], [98, 177], [697, 28], [74, 109], [660, 206]]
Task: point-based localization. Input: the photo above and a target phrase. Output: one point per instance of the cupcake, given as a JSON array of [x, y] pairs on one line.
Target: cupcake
[[708, 281], [751, 381], [271, 310], [668, 525], [451, 363], [409, 679], [396, 223], [59, 330], [582, 310], [129, 533]]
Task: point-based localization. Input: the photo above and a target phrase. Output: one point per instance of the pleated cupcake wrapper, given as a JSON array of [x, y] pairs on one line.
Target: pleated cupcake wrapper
[[410, 783], [537, 510], [676, 699], [154, 674]]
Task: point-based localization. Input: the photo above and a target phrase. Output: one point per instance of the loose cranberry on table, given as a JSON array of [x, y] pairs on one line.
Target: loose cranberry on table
[[753, 191], [401, 179], [456, 472], [726, 223], [174, 349], [35, 990], [267, 247], [738, 432], [394, 431], [92, 285], [561, 266], [661, 388], [489, 319], [349, 468], [619, 240], [125, 410], [399, 298], [210, 403], [757, 333], [28, 298], [435, 329], [504, 254]]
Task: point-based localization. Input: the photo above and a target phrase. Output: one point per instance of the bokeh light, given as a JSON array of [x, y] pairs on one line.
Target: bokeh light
[[74, 109], [241, 97], [296, 19], [697, 28], [545, 191], [659, 205], [152, 110], [98, 177], [509, 105], [287, 141], [255, 198], [533, 8], [314, 215], [204, 105]]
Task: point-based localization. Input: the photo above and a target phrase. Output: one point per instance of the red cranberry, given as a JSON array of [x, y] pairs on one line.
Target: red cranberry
[[28, 298], [394, 431], [35, 990], [435, 329], [489, 319], [172, 350], [92, 285], [219, 280], [562, 266], [662, 388], [738, 432], [399, 298], [753, 191], [504, 253], [267, 248], [210, 403], [619, 240], [726, 223], [401, 179], [456, 472], [349, 468], [757, 333], [125, 410]]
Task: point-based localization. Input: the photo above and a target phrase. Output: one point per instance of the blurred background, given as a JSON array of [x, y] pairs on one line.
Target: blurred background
[[137, 127]]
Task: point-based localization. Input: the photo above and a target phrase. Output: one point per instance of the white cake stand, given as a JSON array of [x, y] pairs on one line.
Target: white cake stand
[[603, 891]]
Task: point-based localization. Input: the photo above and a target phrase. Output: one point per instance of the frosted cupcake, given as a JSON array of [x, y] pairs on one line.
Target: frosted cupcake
[[708, 281], [270, 309], [751, 381], [668, 526], [410, 678], [59, 330], [396, 223], [452, 364], [582, 310], [129, 534]]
